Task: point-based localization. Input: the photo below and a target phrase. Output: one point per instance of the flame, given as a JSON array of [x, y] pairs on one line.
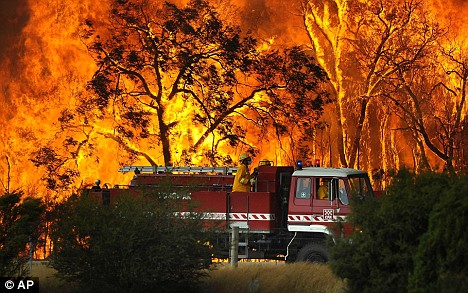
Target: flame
[[45, 67], [333, 28]]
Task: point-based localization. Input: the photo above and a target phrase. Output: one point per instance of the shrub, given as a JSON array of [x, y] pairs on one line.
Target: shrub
[[442, 256], [136, 244], [379, 256], [19, 221]]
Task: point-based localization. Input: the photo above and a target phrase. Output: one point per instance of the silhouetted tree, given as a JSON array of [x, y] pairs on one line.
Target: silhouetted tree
[[20, 218], [162, 67], [59, 176], [430, 99]]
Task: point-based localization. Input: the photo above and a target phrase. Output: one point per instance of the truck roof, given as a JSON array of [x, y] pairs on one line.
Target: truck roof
[[327, 172]]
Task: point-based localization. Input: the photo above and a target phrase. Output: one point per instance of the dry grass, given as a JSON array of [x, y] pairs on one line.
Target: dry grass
[[248, 277], [274, 278], [48, 282]]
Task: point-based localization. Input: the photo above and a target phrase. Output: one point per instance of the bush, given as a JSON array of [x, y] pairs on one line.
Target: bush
[[19, 222], [442, 257], [136, 244], [379, 256]]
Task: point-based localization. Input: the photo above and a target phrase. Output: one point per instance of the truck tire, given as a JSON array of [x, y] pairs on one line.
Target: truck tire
[[313, 252]]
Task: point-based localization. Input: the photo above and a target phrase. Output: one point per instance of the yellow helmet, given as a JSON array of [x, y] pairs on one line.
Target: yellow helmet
[[244, 156]]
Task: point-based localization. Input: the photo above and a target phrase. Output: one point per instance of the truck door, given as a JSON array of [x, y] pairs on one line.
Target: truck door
[[300, 201], [321, 199], [303, 191], [338, 196], [330, 198]]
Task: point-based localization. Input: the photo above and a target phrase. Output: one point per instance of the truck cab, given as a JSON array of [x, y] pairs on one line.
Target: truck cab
[[318, 199]]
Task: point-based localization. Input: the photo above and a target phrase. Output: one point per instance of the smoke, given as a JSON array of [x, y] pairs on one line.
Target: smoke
[[43, 64], [276, 19], [459, 2], [452, 14], [14, 16]]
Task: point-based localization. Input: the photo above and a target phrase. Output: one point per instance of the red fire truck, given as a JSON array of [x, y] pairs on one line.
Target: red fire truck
[[288, 215]]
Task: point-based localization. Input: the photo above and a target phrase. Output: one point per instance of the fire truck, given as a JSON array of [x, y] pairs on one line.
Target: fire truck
[[289, 214]]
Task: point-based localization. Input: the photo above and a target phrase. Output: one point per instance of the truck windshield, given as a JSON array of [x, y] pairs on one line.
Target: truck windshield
[[360, 186]]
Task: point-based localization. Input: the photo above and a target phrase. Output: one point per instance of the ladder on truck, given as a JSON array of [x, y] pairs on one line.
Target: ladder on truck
[[239, 243], [174, 169], [244, 243]]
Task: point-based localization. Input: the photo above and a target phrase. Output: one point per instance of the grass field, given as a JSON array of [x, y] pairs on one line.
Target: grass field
[[274, 278], [248, 277], [47, 280]]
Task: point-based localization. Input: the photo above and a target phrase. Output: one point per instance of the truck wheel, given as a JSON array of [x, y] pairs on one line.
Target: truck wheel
[[313, 252]]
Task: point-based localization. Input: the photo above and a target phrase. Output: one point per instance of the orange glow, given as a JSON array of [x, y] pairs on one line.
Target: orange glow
[[336, 30], [45, 67], [247, 260]]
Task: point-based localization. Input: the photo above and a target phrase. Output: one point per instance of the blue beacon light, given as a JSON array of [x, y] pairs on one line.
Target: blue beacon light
[[299, 165]]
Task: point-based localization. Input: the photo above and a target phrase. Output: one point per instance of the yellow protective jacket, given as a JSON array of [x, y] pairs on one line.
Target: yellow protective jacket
[[322, 192], [242, 179]]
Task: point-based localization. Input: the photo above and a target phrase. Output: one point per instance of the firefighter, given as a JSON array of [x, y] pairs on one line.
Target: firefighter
[[322, 192], [97, 185], [243, 179]]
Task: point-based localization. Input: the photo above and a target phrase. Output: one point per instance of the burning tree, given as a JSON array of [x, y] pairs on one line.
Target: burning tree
[[181, 80], [431, 100], [366, 45]]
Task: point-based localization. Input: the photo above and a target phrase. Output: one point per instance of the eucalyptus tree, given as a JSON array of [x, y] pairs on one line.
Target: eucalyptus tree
[[362, 45], [180, 79], [431, 99]]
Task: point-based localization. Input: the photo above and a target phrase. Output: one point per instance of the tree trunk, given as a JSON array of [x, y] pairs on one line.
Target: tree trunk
[[341, 137], [357, 137], [164, 137]]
